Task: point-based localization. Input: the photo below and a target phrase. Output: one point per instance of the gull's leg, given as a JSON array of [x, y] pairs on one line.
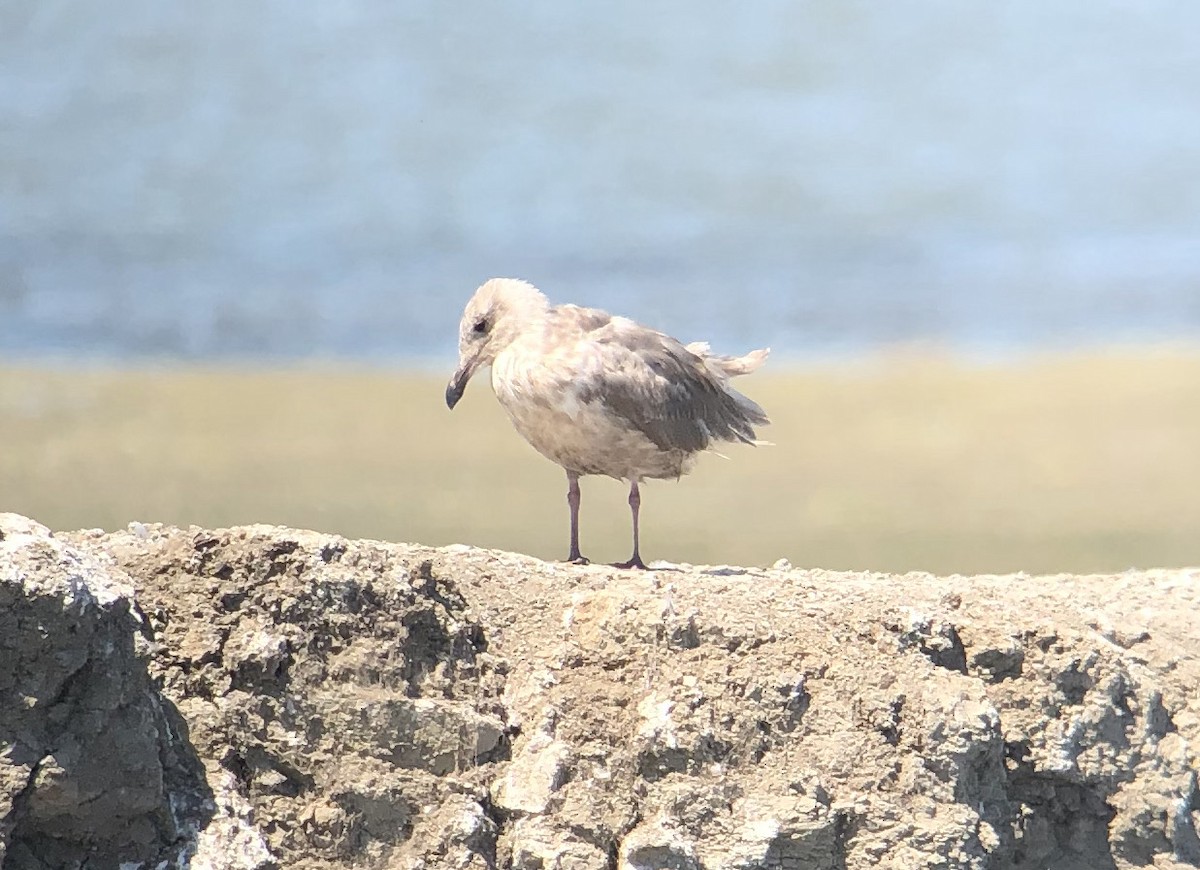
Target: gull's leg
[[635, 502], [573, 502]]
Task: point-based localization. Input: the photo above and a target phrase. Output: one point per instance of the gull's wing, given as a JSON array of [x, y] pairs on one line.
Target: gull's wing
[[660, 387]]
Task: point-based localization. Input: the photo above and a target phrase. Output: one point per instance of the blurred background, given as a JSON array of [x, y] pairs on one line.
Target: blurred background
[[235, 240]]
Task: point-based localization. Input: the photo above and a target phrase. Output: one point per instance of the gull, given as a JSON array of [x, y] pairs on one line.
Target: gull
[[599, 394]]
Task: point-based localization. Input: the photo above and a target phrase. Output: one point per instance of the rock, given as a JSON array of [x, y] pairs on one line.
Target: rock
[[94, 760], [535, 774], [264, 697], [538, 843]]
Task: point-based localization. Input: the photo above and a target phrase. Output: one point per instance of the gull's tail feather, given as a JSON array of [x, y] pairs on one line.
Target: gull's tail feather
[[730, 366], [746, 412], [752, 411]]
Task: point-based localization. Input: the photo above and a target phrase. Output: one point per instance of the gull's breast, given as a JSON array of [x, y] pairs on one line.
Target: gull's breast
[[583, 435]]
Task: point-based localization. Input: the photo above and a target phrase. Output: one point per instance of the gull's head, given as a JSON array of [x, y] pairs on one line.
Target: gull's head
[[500, 309]]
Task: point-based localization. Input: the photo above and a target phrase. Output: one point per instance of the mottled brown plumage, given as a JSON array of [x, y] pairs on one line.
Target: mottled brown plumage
[[599, 394]]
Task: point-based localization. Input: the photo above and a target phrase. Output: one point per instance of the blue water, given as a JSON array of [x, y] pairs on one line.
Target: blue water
[[293, 179]]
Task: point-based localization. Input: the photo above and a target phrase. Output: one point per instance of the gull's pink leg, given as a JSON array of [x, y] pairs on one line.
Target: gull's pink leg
[[635, 502], [573, 502]]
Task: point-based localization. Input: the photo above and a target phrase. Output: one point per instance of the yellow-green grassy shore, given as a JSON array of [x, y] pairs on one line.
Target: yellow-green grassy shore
[[1080, 462]]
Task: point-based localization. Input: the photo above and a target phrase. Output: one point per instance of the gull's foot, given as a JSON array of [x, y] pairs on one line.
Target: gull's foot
[[635, 562], [577, 559]]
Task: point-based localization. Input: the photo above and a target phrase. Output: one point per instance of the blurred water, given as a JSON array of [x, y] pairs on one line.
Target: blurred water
[[281, 179]]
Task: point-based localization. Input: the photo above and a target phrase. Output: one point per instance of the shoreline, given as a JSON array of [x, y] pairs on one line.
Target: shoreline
[[999, 355], [906, 462]]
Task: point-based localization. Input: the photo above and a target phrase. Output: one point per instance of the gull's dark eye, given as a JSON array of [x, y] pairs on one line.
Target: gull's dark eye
[[481, 326]]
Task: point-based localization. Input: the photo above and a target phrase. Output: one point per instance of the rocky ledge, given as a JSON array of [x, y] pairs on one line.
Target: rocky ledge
[[262, 697]]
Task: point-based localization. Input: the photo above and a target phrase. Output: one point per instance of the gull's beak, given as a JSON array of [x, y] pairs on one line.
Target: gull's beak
[[458, 383]]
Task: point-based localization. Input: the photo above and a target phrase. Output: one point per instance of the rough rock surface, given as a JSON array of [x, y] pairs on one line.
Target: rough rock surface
[[94, 761], [262, 697]]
